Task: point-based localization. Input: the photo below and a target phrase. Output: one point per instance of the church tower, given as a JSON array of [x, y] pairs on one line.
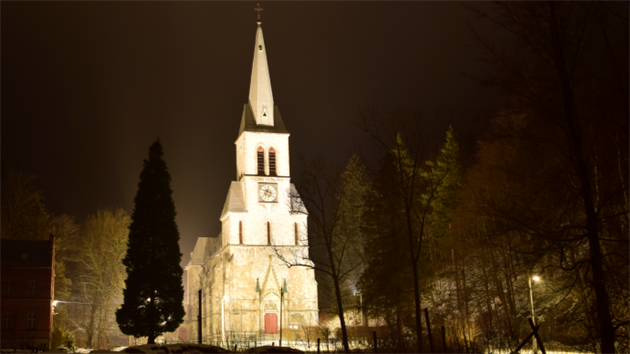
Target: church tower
[[241, 278]]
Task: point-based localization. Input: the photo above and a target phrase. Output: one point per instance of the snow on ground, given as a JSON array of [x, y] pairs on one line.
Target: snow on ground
[[194, 348]]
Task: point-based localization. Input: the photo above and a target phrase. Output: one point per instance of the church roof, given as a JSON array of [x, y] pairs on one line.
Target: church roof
[[199, 253], [297, 205], [235, 201], [248, 123], [260, 94]]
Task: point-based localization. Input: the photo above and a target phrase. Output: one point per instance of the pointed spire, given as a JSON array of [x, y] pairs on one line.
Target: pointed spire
[[260, 95]]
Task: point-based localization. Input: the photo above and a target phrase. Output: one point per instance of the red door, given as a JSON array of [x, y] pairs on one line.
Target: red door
[[271, 323]]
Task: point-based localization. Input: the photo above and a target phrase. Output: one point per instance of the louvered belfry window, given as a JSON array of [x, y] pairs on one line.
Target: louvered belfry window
[[268, 233], [272, 161], [296, 233], [261, 161]]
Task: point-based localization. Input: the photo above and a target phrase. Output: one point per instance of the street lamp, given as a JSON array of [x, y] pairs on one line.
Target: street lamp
[[531, 296], [531, 301]]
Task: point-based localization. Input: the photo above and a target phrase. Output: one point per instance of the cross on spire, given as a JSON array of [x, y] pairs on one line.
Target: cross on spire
[[258, 9]]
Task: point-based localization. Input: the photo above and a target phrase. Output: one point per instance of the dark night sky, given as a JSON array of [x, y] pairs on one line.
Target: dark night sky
[[87, 87]]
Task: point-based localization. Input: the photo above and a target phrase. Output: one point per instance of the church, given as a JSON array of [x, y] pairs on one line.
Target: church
[[238, 280]]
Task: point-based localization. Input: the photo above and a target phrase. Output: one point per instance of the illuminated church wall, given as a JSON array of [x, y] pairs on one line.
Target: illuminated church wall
[[238, 272]]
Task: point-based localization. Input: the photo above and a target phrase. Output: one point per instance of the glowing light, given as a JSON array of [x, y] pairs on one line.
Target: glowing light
[[536, 278]]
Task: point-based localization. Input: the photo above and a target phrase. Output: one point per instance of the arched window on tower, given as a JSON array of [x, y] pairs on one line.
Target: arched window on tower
[[240, 232], [268, 233], [272, 161], [261, 160], [297, 233]]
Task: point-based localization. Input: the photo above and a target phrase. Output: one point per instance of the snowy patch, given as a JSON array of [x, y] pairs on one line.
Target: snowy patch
[[273, 349]]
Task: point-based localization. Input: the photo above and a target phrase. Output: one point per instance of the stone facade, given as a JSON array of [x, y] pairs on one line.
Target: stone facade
[[240, 273]]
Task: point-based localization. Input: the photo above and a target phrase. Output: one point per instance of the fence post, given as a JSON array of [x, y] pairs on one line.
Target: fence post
[[374, 338], [317, 345]]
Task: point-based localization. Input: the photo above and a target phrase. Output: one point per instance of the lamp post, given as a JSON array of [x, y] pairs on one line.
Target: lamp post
[[531, 301]]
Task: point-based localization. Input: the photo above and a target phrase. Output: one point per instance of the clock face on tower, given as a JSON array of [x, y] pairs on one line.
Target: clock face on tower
[[267, 192]]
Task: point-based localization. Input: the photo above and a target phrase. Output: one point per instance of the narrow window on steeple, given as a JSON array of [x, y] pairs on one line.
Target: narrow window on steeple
[[272, 161], [268, 233], [264, 111], [240, 232], [261, 161], [297, 230]]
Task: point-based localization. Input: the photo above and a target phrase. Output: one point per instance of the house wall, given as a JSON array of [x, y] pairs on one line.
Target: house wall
[[20, 302]]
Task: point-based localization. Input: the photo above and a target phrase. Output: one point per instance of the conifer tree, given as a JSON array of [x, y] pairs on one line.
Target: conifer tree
[[154, 294]]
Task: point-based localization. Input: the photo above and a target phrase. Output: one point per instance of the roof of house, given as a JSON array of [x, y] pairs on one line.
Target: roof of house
[[26, 253]]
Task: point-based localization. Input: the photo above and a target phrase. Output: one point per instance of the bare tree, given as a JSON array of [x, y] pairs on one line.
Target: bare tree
[[566, 66], [333, 201], [103, 244], [402, 135]]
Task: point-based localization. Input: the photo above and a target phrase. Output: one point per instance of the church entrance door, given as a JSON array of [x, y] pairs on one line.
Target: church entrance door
[[271, 323]]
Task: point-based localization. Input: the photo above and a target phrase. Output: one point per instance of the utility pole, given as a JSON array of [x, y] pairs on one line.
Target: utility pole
[[199, 320]]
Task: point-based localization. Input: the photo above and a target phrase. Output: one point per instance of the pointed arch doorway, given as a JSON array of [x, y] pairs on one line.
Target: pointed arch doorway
[[270, 314], [271, 323]]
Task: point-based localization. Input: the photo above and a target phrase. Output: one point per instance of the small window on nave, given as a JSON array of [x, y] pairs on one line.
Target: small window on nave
[[272, 161], [261, 160], [240, 232]]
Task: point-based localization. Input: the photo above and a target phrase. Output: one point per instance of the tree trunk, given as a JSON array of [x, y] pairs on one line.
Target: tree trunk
[[416, 277], [90, 331], [342, 321], [151, 314], [416, 293]]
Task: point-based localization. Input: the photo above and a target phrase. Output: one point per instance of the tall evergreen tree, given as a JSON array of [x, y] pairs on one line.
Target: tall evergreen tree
[[154, 294]]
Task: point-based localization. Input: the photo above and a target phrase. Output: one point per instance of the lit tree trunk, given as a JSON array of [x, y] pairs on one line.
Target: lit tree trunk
[[416, 278], [342, 321]]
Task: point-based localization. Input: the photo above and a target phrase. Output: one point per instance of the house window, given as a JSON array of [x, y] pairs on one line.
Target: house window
[[261, 160], [240, 232], [8, 288], [31, 321], [272, 161], [32, 288], [7, 321], [297, 231], [268, 233]]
